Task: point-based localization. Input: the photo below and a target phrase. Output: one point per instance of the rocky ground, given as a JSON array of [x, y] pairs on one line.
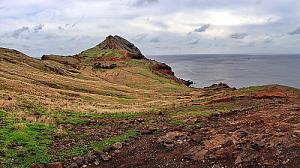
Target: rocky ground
[[266, 135], [258, 138]]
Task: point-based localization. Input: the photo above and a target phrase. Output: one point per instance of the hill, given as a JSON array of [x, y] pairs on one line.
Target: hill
[[110, 106]]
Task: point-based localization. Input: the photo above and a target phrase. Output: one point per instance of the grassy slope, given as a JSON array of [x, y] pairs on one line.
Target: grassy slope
[[35, 105], [38, 109]]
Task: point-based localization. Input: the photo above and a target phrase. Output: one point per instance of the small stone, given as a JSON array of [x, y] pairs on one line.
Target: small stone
[[199, 155], [140, 120], [179, 141], [21, 152], [105, 157], [117, 151], [79, 161], [145, 132], [33, 166], [286, 161], [73, 165], [238, 160], [168, 145], [117, 146], [98, 152], [96, 163], [256, 146], [152, 129], [55, 165]]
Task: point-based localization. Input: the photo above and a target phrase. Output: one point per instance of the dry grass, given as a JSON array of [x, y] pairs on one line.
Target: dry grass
[[131, 87]]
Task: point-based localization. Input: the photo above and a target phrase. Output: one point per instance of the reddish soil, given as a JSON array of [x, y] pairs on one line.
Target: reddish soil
[[268, 136]]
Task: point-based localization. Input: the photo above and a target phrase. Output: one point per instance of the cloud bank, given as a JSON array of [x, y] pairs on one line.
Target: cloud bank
[[156, 26]]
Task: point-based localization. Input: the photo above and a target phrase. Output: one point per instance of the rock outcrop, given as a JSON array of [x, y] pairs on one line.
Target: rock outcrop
[[122, 46], [71, 61], [161, 68], [218, 86]]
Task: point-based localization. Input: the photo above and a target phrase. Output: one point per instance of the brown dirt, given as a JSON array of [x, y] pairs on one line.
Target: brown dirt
[[268, 136]]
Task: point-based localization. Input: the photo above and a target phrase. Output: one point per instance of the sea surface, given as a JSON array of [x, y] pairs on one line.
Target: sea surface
[[235, 70]]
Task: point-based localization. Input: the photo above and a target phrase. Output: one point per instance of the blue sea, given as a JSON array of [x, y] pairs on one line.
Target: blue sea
[[236, 70]]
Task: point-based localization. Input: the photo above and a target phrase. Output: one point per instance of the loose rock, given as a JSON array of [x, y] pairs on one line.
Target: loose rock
[[55, 165], [117, 146], [105, 157]]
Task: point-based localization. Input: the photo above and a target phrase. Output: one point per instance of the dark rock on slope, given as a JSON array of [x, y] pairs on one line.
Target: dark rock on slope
[[162, 68]]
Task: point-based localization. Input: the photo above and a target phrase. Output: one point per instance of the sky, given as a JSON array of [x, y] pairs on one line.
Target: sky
[[157, 27]]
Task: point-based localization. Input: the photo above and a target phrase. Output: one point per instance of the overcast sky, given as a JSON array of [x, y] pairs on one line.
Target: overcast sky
[[67, 27]]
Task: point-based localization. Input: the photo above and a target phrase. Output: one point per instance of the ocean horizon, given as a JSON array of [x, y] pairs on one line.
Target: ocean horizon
[[237, 70]]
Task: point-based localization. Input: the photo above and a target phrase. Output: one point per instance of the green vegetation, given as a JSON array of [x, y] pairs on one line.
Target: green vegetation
[[252, 89], [177, 122], [23, 143], [26, 136], [76, 116], [98, 52], [198, 110], [84, 147]]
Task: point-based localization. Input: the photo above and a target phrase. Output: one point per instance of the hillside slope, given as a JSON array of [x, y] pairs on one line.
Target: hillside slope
[[110, 106]]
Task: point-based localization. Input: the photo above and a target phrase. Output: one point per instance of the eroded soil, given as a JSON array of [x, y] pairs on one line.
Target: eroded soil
[[264, 137]]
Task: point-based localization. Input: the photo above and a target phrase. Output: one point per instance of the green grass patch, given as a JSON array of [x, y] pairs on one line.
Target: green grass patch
[[125, 115], [70, 118], [98, 52], [77, 118], [252, 89], [172, 89], [198, 110], [84, 147], [177, 122], [23, 143]]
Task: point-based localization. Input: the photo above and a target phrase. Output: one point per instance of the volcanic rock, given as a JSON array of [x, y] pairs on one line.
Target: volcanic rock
[[218, 86], [122, 46], [55, 165], [117, 146]]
